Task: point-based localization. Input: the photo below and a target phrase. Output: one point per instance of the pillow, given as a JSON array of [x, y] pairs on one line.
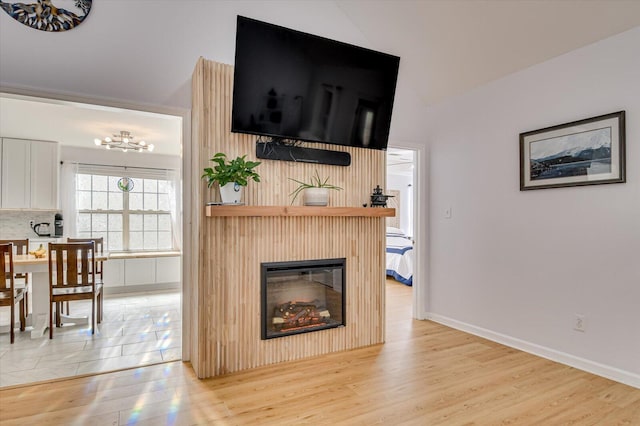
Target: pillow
[[395, 231]]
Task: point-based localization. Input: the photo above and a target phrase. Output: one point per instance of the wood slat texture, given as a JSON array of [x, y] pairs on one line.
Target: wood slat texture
[[260, 211], [225, 318], [426, 374]]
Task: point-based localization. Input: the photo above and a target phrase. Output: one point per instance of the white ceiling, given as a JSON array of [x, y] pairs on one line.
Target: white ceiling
[[76, 124], [450, 46], [446, 47], [400, 161]]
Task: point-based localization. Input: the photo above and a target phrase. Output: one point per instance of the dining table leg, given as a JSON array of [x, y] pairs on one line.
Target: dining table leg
[[40, 302]]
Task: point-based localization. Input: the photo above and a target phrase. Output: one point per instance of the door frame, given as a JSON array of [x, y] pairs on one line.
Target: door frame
[[420, 225], [185, 115]]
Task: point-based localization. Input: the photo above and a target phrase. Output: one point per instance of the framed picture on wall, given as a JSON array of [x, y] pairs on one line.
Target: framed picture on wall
[[584, 152]]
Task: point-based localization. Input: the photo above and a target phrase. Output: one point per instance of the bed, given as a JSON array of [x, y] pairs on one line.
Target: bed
[[399, 256]]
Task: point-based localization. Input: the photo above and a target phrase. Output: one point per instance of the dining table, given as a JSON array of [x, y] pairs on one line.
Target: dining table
[[38, 267]]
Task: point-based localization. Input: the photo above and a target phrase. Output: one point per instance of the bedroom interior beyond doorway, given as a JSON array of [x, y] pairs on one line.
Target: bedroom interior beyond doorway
[[400, 183], [402, 230]]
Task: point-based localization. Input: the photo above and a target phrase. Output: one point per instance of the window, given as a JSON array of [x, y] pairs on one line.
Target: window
[[131, 221]]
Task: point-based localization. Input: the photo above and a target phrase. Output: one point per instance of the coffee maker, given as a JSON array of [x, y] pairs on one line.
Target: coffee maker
[[57, 225], [42, 229]]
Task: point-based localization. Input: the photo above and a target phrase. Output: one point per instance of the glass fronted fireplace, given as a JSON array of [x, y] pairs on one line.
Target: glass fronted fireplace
[[302, 296]]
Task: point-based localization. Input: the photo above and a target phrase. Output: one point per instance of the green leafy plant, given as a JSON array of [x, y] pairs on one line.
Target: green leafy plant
[[314, 182], [237, 170]]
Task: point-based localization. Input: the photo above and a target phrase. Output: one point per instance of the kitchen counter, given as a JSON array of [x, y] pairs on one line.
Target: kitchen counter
[[142, 271], [142, 254]]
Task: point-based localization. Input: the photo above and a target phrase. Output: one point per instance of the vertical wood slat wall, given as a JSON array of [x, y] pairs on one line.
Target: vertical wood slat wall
[[226, 303]]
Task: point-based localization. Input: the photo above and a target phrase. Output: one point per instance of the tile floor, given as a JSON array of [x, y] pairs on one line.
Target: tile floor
[[137, 329]]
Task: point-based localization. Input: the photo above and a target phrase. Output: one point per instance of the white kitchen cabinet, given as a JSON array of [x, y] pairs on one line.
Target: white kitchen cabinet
[[113, 273], [16, 174], [29, 175], [0, 173], [44, 175], [127, 272], [139, 271], [168, 270]]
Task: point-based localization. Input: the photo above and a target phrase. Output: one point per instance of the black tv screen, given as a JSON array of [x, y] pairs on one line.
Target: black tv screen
[[293, 85]]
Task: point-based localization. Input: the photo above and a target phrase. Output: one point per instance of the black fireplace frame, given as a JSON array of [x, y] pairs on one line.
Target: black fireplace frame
[[302, 266]]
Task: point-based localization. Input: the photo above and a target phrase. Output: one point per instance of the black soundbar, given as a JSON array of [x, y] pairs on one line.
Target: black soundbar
[[278, 151]]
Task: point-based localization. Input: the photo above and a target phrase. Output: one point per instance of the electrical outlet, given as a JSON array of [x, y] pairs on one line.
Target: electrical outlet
[[447, 213], [579, 323], [31, 224]]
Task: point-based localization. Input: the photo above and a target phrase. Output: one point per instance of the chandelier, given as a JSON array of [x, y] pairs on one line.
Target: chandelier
[[124, 141]]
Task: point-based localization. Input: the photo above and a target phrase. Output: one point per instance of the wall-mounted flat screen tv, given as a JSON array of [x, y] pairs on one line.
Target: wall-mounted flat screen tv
[[297, 86]]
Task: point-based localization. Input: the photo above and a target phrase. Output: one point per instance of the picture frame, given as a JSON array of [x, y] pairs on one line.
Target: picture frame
[[583, 152]]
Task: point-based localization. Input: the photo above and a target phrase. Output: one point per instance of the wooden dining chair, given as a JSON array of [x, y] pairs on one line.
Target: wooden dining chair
[[9, 295], [72, 276], [21, 279], [99, 249]]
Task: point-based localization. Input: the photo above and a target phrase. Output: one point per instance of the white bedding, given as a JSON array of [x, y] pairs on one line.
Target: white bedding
[[399, 257]]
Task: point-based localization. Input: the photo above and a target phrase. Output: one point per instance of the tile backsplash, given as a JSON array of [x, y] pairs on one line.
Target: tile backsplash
[[15, 224]]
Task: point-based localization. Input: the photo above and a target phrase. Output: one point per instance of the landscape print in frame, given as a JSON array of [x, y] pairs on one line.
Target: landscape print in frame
[[584, 152]]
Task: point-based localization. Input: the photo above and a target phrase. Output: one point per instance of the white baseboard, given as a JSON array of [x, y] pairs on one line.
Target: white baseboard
[[622, 376], [140, 288]]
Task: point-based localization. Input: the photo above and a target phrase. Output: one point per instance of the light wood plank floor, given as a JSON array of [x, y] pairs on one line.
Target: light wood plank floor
[[426, 374]]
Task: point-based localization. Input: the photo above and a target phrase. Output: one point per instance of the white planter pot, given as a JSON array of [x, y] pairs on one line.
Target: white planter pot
[[231, 193], [315, 197]]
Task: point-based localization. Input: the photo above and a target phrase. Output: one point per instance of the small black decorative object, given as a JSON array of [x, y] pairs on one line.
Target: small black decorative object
[[378, 199]]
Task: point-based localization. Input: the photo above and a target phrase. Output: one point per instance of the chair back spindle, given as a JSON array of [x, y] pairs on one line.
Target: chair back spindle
[[6, 266], [74, 264], [19, 247], [99, 248], [72, 276], [9, 295]]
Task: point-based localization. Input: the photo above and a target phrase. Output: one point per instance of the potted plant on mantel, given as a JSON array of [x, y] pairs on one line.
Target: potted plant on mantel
[[316, 191], [231, 176]]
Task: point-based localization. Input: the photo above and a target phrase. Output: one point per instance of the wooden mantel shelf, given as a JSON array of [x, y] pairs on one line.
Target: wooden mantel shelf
[[259, 211]]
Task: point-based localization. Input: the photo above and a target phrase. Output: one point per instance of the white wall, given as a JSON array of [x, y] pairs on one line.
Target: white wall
[[519, 265]]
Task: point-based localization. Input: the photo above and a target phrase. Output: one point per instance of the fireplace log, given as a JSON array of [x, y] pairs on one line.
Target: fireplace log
[[297, 314]]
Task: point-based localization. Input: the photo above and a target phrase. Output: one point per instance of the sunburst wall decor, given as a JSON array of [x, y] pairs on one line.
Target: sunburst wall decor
[[43, 15]]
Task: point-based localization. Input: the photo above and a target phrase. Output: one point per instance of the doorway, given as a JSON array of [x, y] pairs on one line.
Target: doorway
[[142, 322], [402, 237]]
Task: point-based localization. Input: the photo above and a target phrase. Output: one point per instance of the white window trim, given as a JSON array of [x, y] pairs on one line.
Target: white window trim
[[136, 173]]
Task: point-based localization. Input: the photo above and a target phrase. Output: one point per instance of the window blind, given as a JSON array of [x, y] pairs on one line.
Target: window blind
[[132, 172]]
